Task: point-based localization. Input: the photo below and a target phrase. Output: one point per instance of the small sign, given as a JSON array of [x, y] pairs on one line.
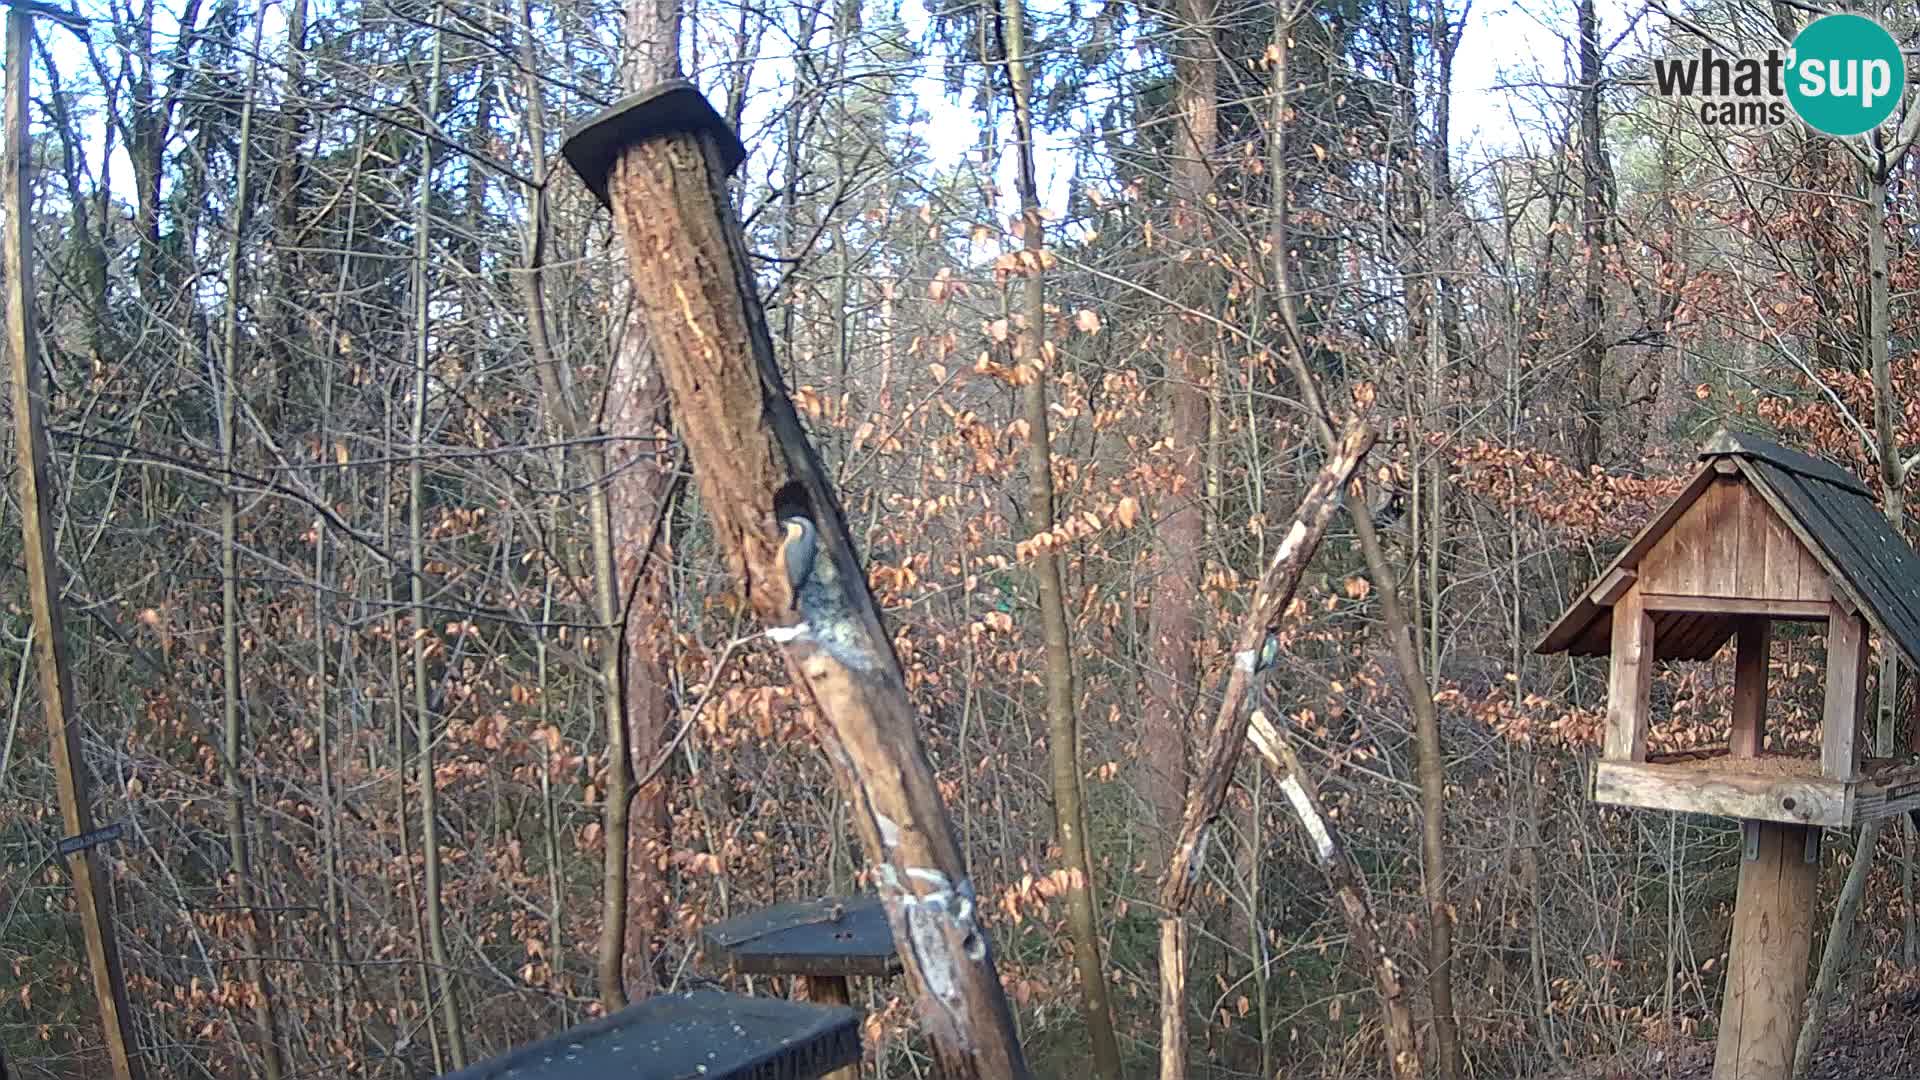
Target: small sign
[[95, 838], [1896, 793]]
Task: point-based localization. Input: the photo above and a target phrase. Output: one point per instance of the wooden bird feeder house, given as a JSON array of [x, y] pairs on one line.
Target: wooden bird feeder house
[[1761, 534]]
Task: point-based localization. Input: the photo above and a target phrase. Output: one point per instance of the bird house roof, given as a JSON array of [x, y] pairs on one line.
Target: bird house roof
[[1825, 510]]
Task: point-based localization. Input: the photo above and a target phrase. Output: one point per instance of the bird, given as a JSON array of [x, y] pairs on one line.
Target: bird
[[1269, 653], [1390, 511], [827, 616]]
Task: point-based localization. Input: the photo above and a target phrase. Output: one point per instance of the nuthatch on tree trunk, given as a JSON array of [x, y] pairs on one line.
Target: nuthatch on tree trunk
[[1260, 662], [826, 612]]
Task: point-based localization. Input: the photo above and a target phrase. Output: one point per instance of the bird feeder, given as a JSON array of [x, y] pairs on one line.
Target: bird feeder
[[822, 941], [1761, 534], [704, 1035]]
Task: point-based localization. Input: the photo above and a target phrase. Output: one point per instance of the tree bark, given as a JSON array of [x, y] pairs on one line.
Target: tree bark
[[1591, 415], [753, 462], [253, 929], [1035, 364], [423, 703], [1173, 614]]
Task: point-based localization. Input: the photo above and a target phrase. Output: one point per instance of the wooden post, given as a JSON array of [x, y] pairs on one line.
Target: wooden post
[[660, 159], [1749, 735], [831, 990], [1846, 692], [1767, 969], [90, 885], [1630, 679]]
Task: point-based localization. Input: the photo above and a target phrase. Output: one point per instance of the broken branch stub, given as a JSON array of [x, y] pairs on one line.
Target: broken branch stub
[[1270, 599], [660, 161]]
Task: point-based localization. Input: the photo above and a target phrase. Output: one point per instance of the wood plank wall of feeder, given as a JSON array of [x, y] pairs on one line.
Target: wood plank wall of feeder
[[1846, 696], [1730, 544]]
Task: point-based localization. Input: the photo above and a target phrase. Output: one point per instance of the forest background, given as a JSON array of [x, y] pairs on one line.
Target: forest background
[[410, 666]]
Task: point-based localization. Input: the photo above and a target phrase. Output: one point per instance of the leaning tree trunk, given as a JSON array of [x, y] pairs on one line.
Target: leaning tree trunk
[[757, 471]]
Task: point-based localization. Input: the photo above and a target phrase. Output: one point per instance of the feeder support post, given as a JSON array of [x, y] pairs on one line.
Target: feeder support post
[[1767, 962], [659, 160]]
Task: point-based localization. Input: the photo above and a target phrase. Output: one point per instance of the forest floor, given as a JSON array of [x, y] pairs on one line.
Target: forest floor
[[1876, 1040]]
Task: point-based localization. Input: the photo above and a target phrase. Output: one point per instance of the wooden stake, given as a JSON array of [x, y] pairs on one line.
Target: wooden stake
[[1767, 972], [43, 569]]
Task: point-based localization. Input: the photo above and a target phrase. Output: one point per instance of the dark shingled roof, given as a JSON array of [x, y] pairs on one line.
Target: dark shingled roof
[[1831, 512], [1823, 503]]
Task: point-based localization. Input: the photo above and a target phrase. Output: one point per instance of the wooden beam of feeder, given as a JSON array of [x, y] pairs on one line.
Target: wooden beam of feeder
[[665, 184], [90, 887]]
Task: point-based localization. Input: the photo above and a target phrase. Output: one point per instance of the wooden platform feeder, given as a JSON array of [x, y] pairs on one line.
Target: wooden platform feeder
[[1761, 534], [703, 1035], [824, 942]]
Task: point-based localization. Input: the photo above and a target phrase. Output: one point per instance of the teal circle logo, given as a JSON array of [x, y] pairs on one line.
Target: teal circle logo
[[1846, 74]]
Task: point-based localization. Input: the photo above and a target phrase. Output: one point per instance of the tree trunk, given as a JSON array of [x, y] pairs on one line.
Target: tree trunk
[[253, 929], [423, 700], [1173, 623], [1592, 412], [641, 488], [1034, 360]]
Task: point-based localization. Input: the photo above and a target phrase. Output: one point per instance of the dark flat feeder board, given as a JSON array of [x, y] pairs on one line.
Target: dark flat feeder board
[[832, 936], [704, 1035], [675, 107]]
